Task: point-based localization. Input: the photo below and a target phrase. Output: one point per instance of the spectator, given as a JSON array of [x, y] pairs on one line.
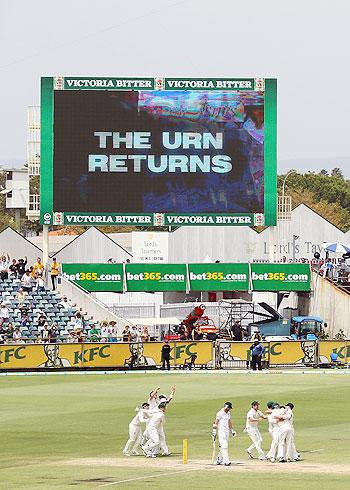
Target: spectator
[[2, 333], [55, 270], [9, 331], [327, 269], [236, 331], [112, 330], [41, 321], [110, 260], [126, 334], [4, 312], [258, 351], [104, 332], [13, 269], [53, 334], [144, 334], [21, 295], [166, 355], [38, 267], [78, 321], [40, 285], [38, 340], [23, 308], [45, 333], [256, 336], [80, 336], [72, 338], [67, 305], [94, 334], [134, 334], [4, 267], [25, 322], [27, 281], [17, 336], [21, 267]]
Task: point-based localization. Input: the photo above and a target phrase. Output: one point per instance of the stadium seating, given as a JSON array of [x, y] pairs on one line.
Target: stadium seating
[[45, 301]]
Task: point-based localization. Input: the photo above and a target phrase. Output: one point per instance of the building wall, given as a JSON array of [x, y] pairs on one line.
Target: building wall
[[17, 246], [332, 305], [92, 246], [242, 244]]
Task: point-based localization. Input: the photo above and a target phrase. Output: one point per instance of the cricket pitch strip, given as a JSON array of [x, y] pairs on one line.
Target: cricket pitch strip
[[175, 464]]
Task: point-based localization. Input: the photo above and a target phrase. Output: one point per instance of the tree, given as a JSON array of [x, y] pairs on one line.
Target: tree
[[337, 173]]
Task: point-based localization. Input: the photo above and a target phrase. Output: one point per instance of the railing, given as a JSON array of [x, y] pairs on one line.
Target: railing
[[133, 311]]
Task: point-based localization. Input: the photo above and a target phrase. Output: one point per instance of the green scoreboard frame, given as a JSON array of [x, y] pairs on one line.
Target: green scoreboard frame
[[267, 87]]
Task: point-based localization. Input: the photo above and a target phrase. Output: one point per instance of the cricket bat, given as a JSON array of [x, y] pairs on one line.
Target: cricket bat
[[214, 452]]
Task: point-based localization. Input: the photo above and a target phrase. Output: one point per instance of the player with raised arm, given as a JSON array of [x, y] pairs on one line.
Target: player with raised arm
[[222, 427], [153, 429], [155, 400], [254, 415], [135, 432]]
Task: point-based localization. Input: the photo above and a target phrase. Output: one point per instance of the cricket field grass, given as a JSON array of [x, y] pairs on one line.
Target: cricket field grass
[[68, 431]]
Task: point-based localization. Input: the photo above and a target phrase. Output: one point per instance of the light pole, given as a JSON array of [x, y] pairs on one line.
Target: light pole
[[284, 183], [295, 238]]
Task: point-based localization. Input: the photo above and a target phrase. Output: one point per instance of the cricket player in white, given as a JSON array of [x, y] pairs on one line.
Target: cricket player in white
[[251, 427], [223, 427], [135, 431], [286, 447], [294, 455], [273, 419], [154, 427], [154, 401], [268, 411]]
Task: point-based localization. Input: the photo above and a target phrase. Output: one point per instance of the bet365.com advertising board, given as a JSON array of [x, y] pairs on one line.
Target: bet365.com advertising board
[[189, 277], [158, 151]]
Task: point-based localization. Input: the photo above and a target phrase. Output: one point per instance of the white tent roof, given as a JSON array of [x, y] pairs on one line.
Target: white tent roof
[[170, 320]]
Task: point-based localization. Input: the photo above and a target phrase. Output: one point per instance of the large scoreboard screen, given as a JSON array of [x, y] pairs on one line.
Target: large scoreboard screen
[[158, 151]]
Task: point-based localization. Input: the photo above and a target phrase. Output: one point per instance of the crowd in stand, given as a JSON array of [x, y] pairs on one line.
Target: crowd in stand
[[30, 312]]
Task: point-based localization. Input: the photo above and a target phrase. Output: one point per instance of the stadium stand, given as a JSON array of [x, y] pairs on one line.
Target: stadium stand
[[23, 311]]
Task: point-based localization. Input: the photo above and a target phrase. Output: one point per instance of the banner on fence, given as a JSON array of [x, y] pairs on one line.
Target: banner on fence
[[101, 355], [196, 277], [156, 277], [95, 277], [219, 277], [327, 347], [277, 353], [280, 277]]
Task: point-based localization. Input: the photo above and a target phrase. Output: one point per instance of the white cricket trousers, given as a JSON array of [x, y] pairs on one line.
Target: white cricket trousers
[[285, 442], [293, 450], [274, 444], [153, 441], [162, 441], [135, 435], [254, 434], [223, 436]]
